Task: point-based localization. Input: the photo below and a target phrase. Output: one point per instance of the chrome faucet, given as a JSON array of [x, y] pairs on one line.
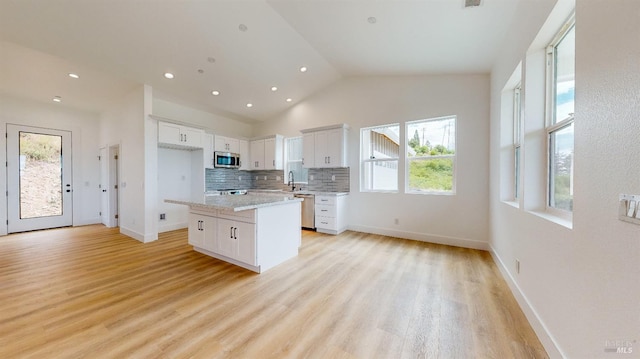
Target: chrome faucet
[[291, 182]]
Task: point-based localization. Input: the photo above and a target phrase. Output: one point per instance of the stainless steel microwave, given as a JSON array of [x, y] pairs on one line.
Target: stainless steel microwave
[[226, 160]]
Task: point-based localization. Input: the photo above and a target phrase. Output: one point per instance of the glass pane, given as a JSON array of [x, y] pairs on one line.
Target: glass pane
[[294, 148], [40, 175], [381, 142], [380, 176], [516, 187], [300, 175], [431, 137], [431, 175], [561, 168], [565, 59]]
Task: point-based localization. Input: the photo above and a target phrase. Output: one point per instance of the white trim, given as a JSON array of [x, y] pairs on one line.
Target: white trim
[[544, 335], [172, 227], [424, 237], [138, 236]]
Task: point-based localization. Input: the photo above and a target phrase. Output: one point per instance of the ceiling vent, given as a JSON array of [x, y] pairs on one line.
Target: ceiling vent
[[472, 3]]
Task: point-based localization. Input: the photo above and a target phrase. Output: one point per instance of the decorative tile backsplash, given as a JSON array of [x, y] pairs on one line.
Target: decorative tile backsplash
[[320, 179]]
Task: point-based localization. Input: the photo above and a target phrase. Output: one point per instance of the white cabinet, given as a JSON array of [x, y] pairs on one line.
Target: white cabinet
[[202, 231], [227, 144], [237, 240], [243, 150], [330, 212], [173, 135], [208, 151], [266, 154], [325, 147]]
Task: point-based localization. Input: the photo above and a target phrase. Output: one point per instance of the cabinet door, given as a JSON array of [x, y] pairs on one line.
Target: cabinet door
[[220, 144], [243, 150], [245, 235], [208, 150], [196, 230], [192, 137], [335, 148], [320, 147], [227, 244], [270, 154], [233, 144], [257, 155], [308, 151], [169, 133]]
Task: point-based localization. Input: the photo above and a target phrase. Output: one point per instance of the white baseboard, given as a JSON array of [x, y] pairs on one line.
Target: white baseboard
[[547, 340], [424, 237], [166, 227], [138, 236]]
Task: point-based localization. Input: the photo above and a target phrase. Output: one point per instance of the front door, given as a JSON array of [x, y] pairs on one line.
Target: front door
[[39, 188]]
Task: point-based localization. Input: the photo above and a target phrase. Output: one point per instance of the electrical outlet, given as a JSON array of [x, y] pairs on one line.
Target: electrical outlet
[[163, 216], [396, 221], [518, 266], [333, 178], [277, 178], [311, 177], [629, 208], [239, 178]]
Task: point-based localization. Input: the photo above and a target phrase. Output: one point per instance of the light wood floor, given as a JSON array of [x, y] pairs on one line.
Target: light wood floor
[[90, 292]]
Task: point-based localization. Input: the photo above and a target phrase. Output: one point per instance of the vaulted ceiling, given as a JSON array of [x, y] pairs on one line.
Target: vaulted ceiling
[[240, 48]]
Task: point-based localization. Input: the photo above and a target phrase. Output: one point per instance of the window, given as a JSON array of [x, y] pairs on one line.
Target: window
[[561, 95], [293, 160], [517, 139], [431, 148], [380, 151]]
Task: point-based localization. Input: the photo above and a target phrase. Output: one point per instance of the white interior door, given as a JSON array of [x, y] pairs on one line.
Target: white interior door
[[104, 186], [40, 192]]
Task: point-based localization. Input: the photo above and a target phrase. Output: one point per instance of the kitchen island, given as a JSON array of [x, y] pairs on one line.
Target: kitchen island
[[252, 231]]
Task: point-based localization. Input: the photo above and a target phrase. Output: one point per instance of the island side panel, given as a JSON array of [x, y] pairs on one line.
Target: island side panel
[[279, 234]]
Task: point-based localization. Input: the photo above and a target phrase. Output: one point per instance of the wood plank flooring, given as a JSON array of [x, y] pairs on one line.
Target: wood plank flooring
[[90, 292]]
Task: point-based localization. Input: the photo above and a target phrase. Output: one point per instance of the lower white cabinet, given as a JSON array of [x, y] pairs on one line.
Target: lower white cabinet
[[330, 214], [255, 239]]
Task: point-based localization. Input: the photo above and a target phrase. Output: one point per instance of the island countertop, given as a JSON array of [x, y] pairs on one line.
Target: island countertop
[[237, 203]]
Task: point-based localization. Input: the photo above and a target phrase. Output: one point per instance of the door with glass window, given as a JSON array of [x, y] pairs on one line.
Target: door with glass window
[[39, 188]]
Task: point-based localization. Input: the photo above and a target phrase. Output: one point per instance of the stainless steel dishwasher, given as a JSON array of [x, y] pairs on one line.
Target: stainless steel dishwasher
[[308, 210]]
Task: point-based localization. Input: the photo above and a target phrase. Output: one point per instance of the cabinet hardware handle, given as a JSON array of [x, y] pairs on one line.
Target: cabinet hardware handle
[[235, 233], [230, 232], [185, 137]]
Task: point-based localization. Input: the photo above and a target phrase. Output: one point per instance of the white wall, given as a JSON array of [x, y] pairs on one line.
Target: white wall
[[460, 219], [84, 127], [210, 122], [580, 287], [124, 125], [174, 181]]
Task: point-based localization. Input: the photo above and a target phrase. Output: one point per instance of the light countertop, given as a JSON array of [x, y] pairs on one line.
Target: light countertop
[[277, 191], [237, 203]]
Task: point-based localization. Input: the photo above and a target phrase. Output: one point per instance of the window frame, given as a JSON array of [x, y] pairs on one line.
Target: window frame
[[517, 141], [552, 125], [365, 161], [408, 159]]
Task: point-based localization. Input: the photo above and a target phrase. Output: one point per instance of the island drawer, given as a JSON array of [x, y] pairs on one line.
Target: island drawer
[[248, 216]]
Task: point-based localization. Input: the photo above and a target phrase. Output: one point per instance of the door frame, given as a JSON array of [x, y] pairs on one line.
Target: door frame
[[14, 222], [112, 167]]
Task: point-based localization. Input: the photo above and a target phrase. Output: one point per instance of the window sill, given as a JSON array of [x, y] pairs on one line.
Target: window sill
[[432, 193], [563, 221], [513, 204]]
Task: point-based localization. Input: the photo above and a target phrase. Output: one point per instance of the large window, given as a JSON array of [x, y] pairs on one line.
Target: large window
[[293, 160], [379, 153], [431, 153], [561, 95], [517, 140]]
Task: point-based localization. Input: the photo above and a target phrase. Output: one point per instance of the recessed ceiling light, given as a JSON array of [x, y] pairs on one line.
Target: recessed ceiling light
[[289, 100], [168, 75], [75, 76], [57, 99], [372, 20], [215, 93], [249, 105], [303, 69], [274, 89], [243, 27]]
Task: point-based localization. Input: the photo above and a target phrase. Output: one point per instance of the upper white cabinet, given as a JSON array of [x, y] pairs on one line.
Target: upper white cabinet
[[208, 150], [325, 147], [266, 154], [173, 135], [227, 144], [243, 150]]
